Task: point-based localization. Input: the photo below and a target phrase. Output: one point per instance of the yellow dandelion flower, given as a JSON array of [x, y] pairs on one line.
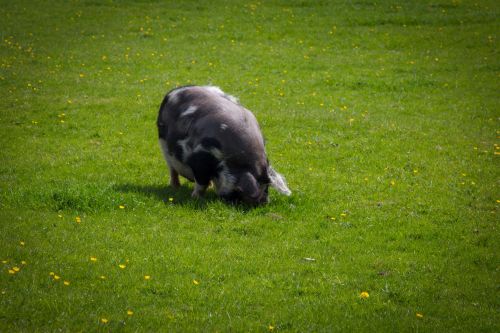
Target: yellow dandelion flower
[[5, 261], [343, 214], [59, 215], [102, 277], [122, 266], [66, 283], [94, 259], [122, 207], [130, 312], [56, 277], [23, 262], [51, 273], [12, 271], [419, 315], [147, 277], [22, 243], [270, 328], [78, 219], [104, 320], [196, 282], [364, 295], [16, 269], [82, 75], [393, 182]]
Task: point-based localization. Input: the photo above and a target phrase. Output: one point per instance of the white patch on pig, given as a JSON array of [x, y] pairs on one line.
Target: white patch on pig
[[218, 91], [174, 163], [215, 90], [186, 150], [223, 127], [217, 153], [232, 99], [224, 182], [189, 111]]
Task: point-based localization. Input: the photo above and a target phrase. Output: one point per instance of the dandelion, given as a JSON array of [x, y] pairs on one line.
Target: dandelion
[[23, 262], [170, 199], [147, 277], [122, 266], [16, 269], [94, 259], [196, 282], [5, 261], [56, 277], [130, 312], [82, 75], [11, 271], [364, 295], [122, 207], [104, 320], [102, 277], [393, 182], [66, 283], [22, 243], [51, 273], [78, 219], [419, 315], [270, 328]]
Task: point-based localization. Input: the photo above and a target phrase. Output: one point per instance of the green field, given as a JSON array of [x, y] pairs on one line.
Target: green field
[[382, 115]]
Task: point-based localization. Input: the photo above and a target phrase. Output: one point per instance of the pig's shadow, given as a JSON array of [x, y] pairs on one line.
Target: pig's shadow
[[168, 194]]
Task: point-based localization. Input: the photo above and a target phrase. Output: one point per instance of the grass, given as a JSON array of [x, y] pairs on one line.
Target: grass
[[382, 115]]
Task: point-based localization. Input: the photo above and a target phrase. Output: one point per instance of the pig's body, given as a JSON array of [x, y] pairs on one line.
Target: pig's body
[[207, 136]]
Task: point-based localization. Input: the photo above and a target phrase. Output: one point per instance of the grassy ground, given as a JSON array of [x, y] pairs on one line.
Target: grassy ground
[[382, 115]]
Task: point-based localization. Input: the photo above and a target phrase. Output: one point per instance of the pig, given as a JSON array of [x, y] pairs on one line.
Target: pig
[[208, 137]]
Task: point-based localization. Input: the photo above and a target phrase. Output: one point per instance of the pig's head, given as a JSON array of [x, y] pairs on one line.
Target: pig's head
[[252, 187]]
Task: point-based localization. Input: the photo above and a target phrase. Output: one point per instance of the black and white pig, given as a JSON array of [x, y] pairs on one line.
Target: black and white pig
[[207, 136]]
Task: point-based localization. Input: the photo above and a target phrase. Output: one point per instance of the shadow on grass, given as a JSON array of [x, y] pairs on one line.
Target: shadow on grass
[[165, 193], [179, 196]]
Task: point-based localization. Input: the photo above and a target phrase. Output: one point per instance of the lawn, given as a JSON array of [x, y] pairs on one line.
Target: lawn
[[382, 115]]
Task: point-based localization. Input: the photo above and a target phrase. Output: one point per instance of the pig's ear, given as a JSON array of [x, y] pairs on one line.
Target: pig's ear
[[248, 185], [278, 181]]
